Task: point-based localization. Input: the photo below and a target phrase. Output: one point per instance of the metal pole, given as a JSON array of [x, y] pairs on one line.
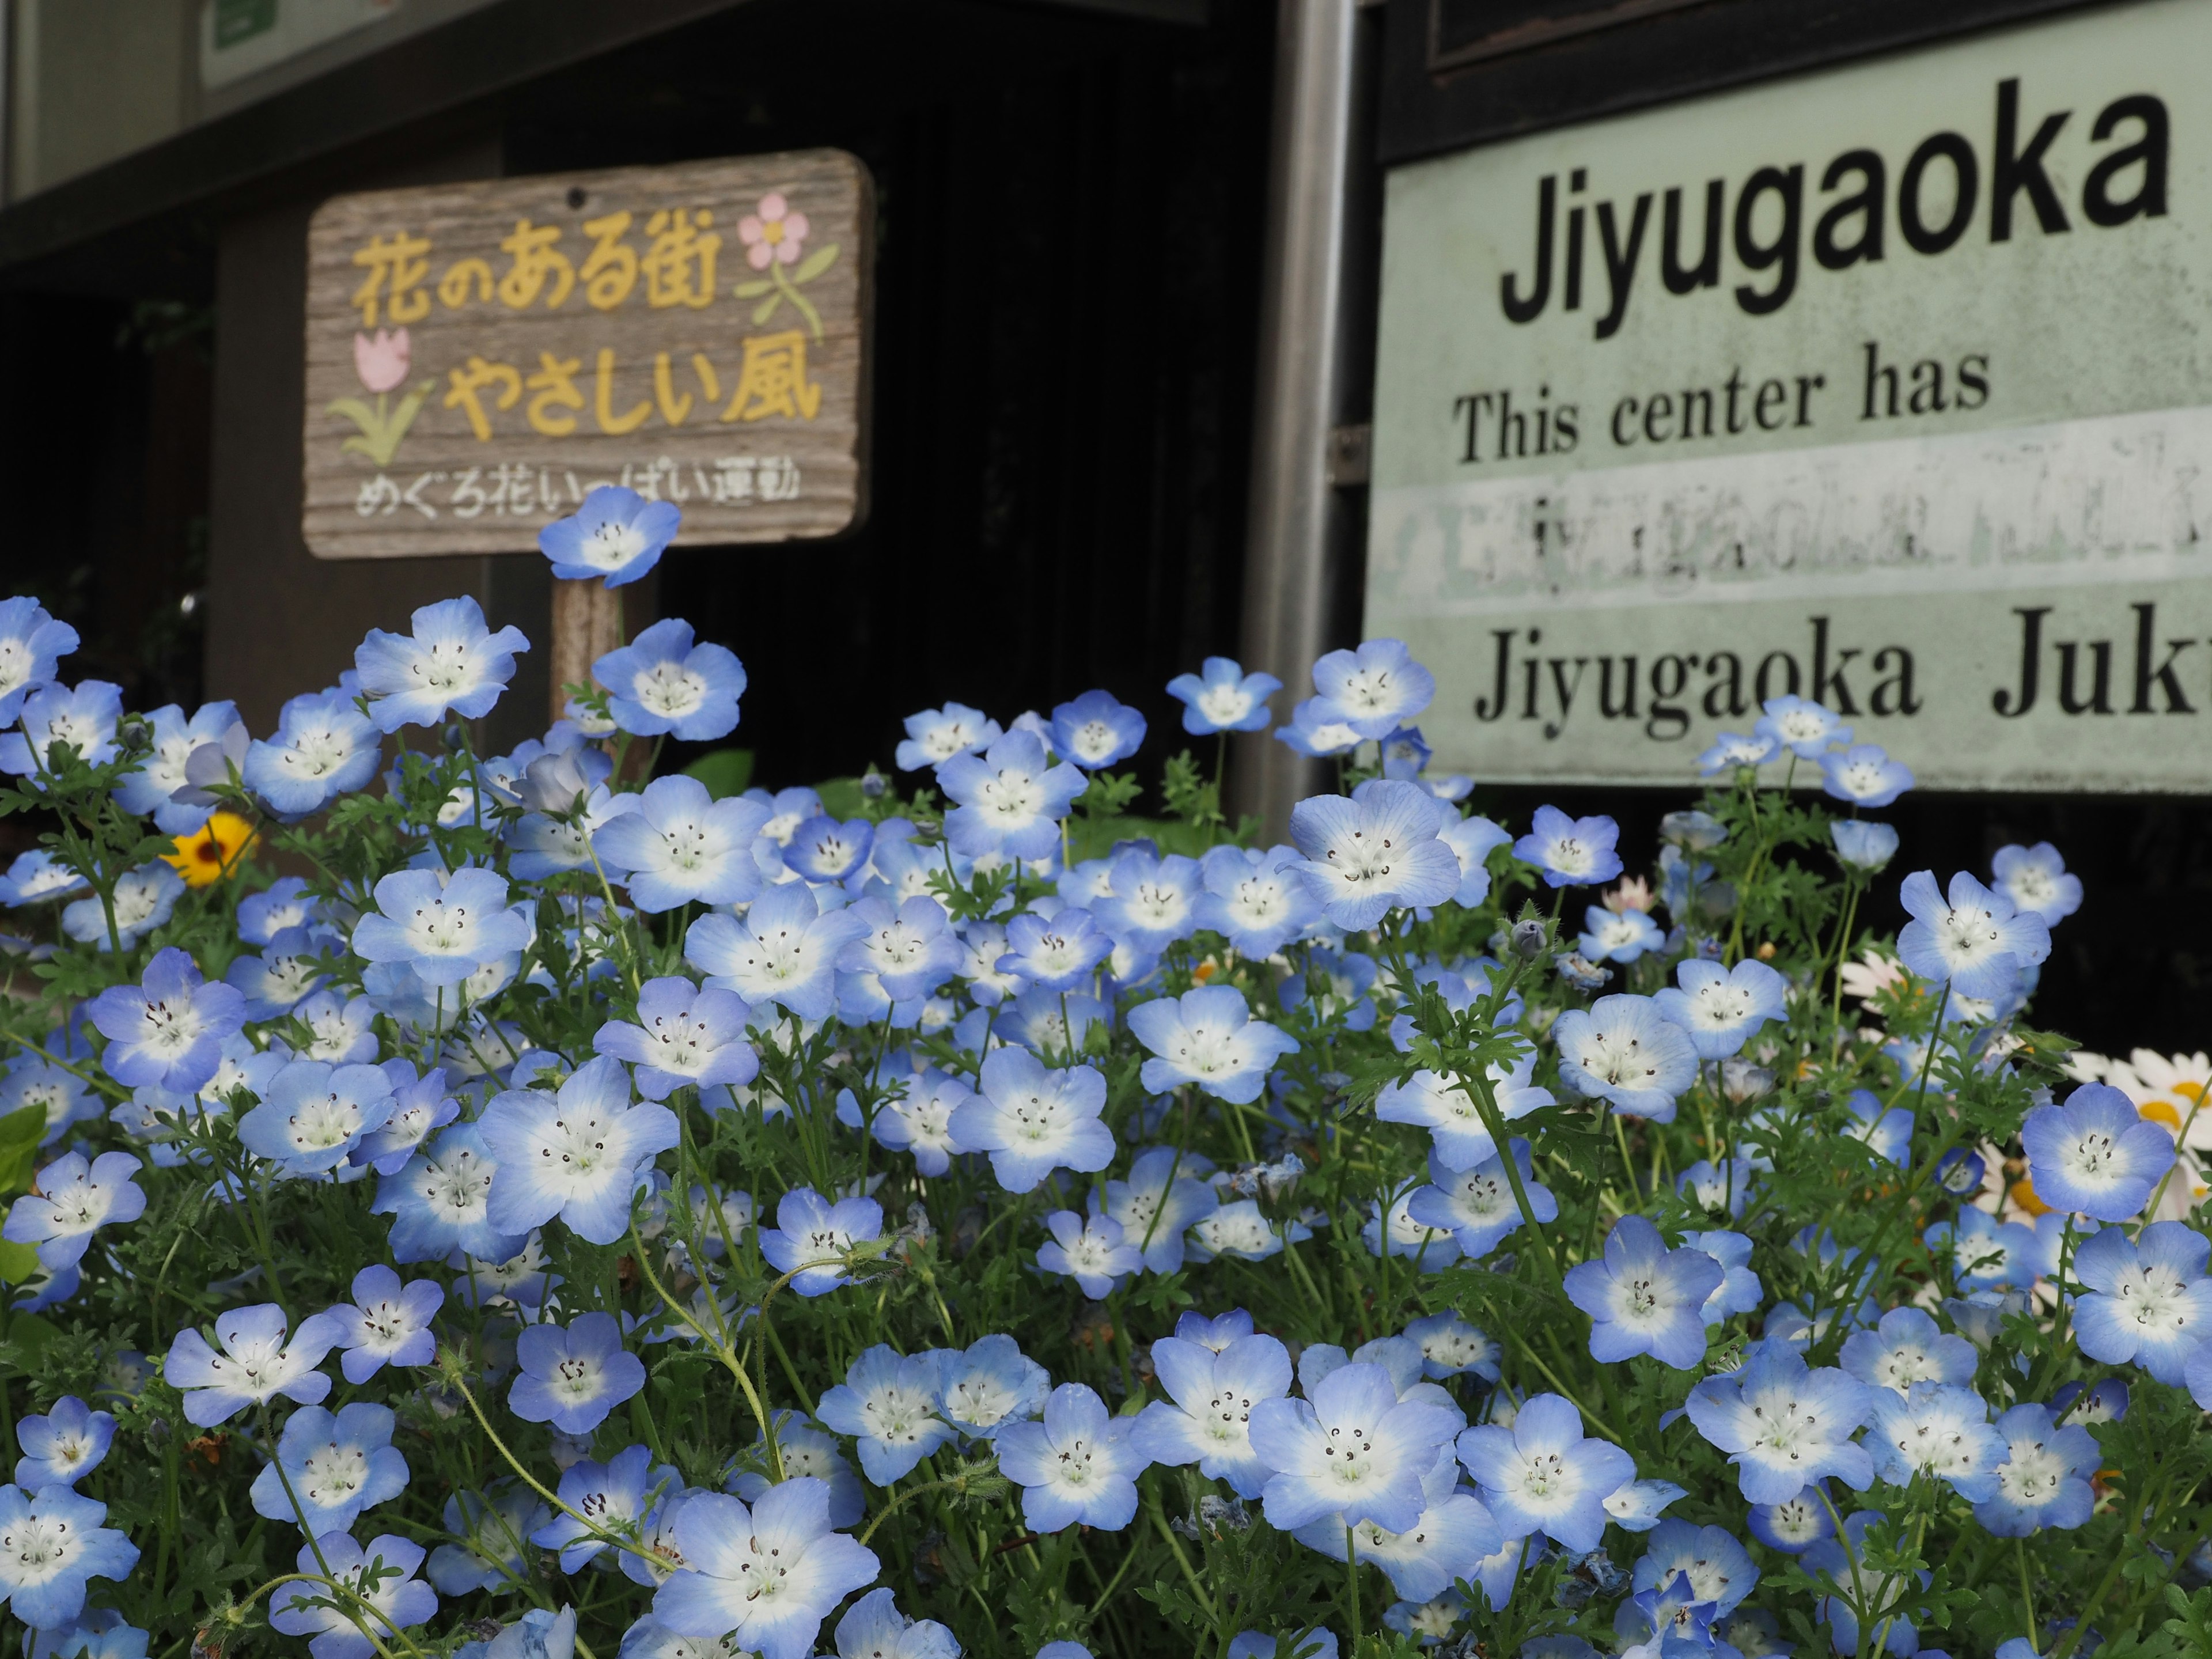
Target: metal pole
[[1303, 528]]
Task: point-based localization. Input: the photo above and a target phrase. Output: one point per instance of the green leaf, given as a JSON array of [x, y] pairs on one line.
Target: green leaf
[[19, 1263], [724, 772], [752, 290], [816, 263], [20, 1135]]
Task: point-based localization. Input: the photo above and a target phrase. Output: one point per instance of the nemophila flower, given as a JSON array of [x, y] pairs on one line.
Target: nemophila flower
[[1784, 1424], [1472, 840], [1096, 730], [1222, 697], [536, 1635], [386, 1323], [1623, 937], [1207, 1418], [1886, 1131], [1452, 1347], [63, 1097], [684, 1035], [2045, 1478], [1623, 1049], [147, 790], [1476, 1205], [826, 853], [1060, 952], [1239, 1229], [1976, 940], [617, 534], [1094, 1252], [1375, 687], [62, 1446], [340, 1031], [315, 1113], [911, 951], [936, 735], [1351, 1448], [1154, 900], [1570, 852], [812, 1236], [983, 946], [573, 1378], [142, 901], [1317, 730], [493, 1535], [1720, 1569], [51, 1543], [452, 663], [1540, 1474], [1861, 845], [81, 718], [1643, 1297], [32, 645], [381, 1573], [661, 683], [295, 963], [1805, 727], [1216, 1331], [324, 747], [888, 1403], [1733, 752], [681, 846], [1864, 775], [1937, 1429], [1637, 1506], [440, 1202], [1208, 1036], [1162, 1195], [918, 1121], [990, 1385], [1905, 1348], [255, 1366], [2150, 1303], [807, 1453], [420, 1106], [1373, 853], [1793, 1524], [2034, 878], [334, 1467], [1447, 1110], [765, 1577], [784, 952], [1392, 1229], [167, 1031], [1032, 1121], [1451, 1534], [576, 1154], [71, 1199], [1721, 1007], [1009, 799], [1252, 900], [1724, 1188], [2095, 1154], [1076, 1464], [2108, 1402], [37, 877], [519, 1281]]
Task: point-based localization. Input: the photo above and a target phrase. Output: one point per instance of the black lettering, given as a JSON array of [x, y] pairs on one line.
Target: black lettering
[[1967, 175], [2011, 705], [1723, 699], [1564, 689], [1865, 203], [1517, 309], [1566, 429], [1734, 386], [1830, 688], [1706, 273], [1474, 405], [1876, 371], [2099, 700], [2013, 169], [1620, 262], [1660, 408], [1605, 704], [1807, 385], [2148, 202], [1760, 687], [1893, 694], [1626, 406], [1927, 388], [1973, 381], [1697, 413], [1487, 708], [1773, 396], [2163, 676], [1670, 674], [1789, 184]]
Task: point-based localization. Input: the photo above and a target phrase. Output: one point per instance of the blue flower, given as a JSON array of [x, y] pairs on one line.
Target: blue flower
[[1722, 1186], [1643, 1297], [37, 877], [1095, 730], [283, 904], [149, 789], [1032, 1121], [82, 717], [1976, 941], [334, 1467], [1739, 1289], [443, 926], [1720, 1569], [452, 663], [1805, 727], [74, 1199], [1208, 1036], [1153, 901], [2095, 1154], [419, 1106], [536, 1635], [1784, 1425], [573, 1377], [722, 1543], [1839, 1562], [1472, 840], [1447, 1111], [489, 1556], [919, 1121], [1476, 1205], [616, 1495], [1096, 1254], [1154, 1213], [1637, 1506], [1452, 1347], [1861, 845], [1733, 752], [887, 1403], [255, 1366], [1317, 731], [1241, 1230], [873, 1628], [827, 852], [1252, 900], [1886, 1131], [2034, 878], [681, 846], [1448, 1539], [1793, 1524], [2150, 1303], [1346, 988], [812, 1236], [910, 952], [1623, 1049], [381, 1573], [1905, 1348], [1864, 775], [992, 1384], [1939, 1429], [54, 1544], [662, 685], [1207, 1418], [806, 1452], [1374, 689], [440, 1202], [784, 952], [167, 1031], [315, 1113], [1570, 852], [1386, 1446], [1622, 936], [1542, 1475], [615, 534], [32, 645], [143, 899], [63, 1097], [577, 1154], [1720, 1008], [386, 1323], [684, 1036], [63, 1446], [1009, 800], [1223, 697], [936, 735], [1060, 952], [292, 967], [1315, 1643], [1078, 1464], [1374, 852], [324, 747]]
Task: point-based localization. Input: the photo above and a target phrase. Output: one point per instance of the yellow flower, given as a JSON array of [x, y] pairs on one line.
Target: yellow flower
[[226, 842]]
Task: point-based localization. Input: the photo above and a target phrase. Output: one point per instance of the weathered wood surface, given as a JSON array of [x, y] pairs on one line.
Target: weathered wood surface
[[551, 344]]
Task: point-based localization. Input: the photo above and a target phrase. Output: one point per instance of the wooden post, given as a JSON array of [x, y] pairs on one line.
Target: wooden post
[[586, 625]]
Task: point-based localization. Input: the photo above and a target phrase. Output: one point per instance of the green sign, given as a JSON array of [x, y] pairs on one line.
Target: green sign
[[1889, 386]]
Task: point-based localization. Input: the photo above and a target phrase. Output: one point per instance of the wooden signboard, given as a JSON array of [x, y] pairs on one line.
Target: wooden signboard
[[480, 356]]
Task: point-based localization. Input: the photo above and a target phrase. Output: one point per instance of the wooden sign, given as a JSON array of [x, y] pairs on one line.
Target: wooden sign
[[480, 356]]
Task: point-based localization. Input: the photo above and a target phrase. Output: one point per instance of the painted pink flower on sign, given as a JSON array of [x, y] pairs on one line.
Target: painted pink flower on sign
[[774, 235], [382, 362]]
